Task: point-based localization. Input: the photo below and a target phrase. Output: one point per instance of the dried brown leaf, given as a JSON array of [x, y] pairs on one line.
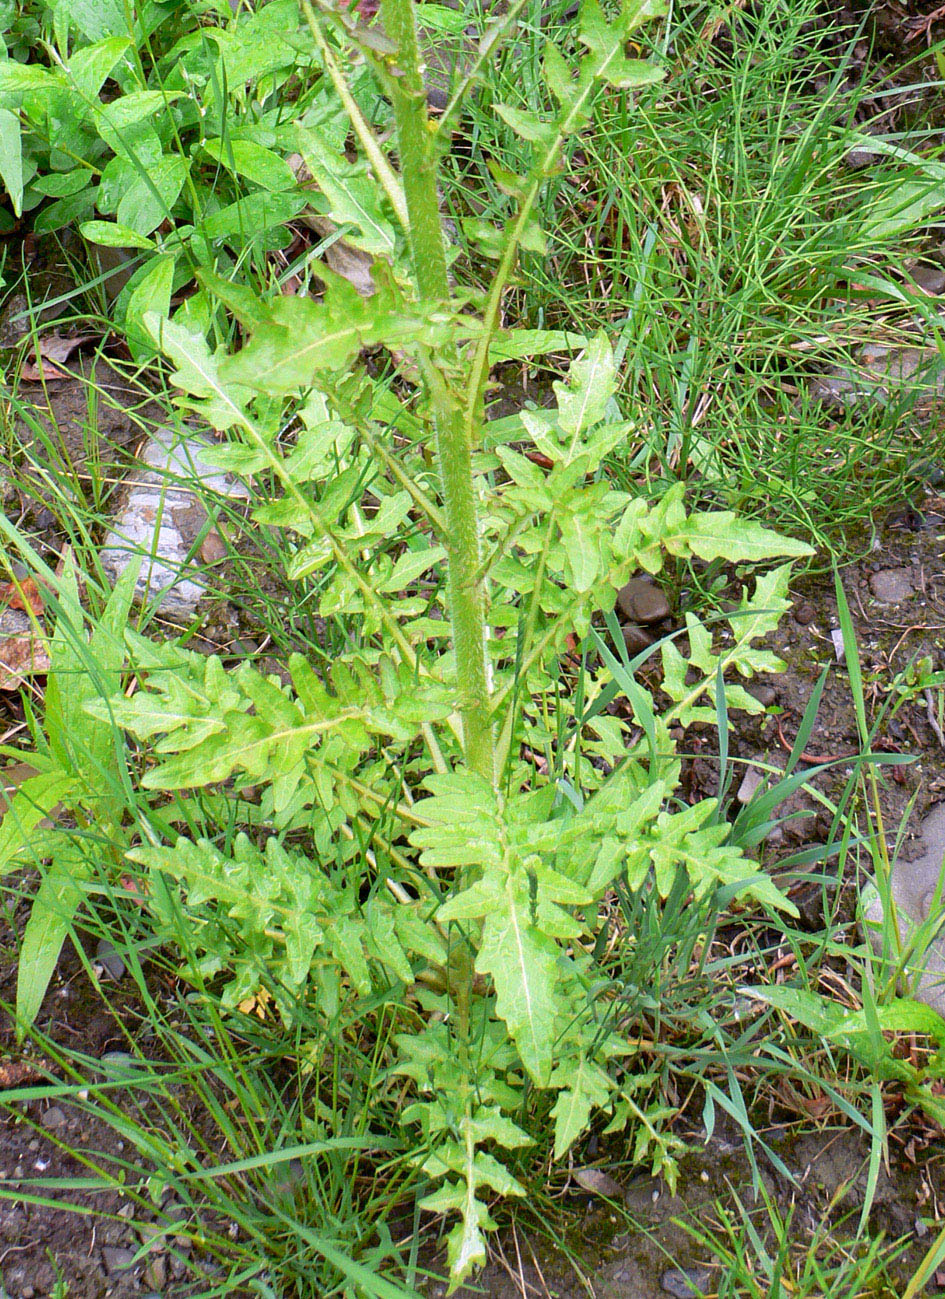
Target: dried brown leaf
[[45, 360], [24, 595], [20, 657]]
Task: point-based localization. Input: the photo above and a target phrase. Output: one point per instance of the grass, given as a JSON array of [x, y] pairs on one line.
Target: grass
[[718, 235], [717, 230]]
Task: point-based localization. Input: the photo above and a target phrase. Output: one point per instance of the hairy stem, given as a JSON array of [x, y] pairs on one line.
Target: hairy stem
[[418, 163]]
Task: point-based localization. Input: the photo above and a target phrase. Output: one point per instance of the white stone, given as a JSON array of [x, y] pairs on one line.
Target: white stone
[[164, 512]]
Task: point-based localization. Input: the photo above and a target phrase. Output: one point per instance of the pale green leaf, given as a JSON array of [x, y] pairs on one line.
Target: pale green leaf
[[11, 158], [109, 234], [51, 916], [246, 158]]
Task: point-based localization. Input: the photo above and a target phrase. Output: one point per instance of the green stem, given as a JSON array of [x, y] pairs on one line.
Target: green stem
[[418, 165]]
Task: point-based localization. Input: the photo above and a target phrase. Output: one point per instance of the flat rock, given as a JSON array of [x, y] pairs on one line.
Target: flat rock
[[642, 601], [683, 1283], [53, 1118], [117, 1258], [880, 372], [928, 278], [108, 960], [892, 585], [918, 891], [750, 784], [163, 514]]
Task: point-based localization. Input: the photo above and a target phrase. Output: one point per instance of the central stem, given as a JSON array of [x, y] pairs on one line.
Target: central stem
[[418, 165]]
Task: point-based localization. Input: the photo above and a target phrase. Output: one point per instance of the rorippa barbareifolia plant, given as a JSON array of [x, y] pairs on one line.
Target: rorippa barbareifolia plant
[[443, 814]]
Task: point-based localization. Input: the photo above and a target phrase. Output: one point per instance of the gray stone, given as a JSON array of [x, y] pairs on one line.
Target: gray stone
[[108, 961], [683, 1283], [155, 1274], [751, 783], [930, 279], [53, 1118], [641, 600], [765, 694], [891, 585], [164, 512], [918, 892], [117, 1258], [879, 372]]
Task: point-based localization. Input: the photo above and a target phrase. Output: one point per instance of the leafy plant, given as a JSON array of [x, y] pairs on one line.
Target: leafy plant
[[435, 819], [163, 132], [79, 776]]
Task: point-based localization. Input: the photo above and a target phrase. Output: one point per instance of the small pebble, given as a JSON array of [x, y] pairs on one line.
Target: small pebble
[[642, 601], [155, 1274], [212, 548], [33, 1145], [931, 279], [108, 962], [117, 1258], [635, 638], [751, 783], [805, 613], [53, 1118], [683, 1283], [764, 693], [891, 585]]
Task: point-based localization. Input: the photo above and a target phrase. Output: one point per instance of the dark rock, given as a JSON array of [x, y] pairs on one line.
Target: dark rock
[[891, 585], [53, 1118], [642, 601], [635, 638], [683, 1283], [765, 694], [805, 613], [117, 1258], [930, 279]]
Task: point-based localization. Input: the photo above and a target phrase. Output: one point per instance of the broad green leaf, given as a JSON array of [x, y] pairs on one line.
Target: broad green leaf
[[252, 216], [585, 1087], [152, 193], [51, 916], [353, 197], [526, 124], [197, 371], [98, 18], [11, 158], [109, 234], [75, 207], [151, 295], [580, 543], [522, 962], [15, 77], [246, 158], [114, 119], [36, 799], [583, 399], [722, 534], [60, 184], [901, 210], [89, 67]]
